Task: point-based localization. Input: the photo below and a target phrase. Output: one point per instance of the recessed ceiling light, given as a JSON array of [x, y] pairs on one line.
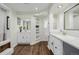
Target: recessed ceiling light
[[60, 6], [36, 9]]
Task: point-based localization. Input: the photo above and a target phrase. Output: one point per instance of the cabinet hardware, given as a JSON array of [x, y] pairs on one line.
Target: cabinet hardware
[[52, 43], [56, 47]]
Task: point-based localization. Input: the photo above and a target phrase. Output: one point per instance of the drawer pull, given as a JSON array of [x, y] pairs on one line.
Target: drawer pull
[[56, 47], [52, 43]]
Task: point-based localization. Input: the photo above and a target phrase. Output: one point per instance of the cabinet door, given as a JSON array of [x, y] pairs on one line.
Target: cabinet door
[[21, 38], [50, 43], [69, 50], [24, 38], [27, 37], [58, 46]]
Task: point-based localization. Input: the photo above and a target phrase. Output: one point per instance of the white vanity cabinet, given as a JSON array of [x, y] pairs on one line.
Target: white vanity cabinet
[[58, 46], [55, 45], [24, 38], [64, 44], [51, 42]]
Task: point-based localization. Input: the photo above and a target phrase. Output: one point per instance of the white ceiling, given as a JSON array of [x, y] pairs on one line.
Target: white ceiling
[[65, 6], [22, 8], [29, 8]]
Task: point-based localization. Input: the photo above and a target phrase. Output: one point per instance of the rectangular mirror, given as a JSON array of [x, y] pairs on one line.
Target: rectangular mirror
[[71, 18]]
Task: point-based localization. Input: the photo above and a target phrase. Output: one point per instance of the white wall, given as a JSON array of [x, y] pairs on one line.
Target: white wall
[[61, 24], [33, 29], [2, 23], [69, 32], [44, 29], [51, 21], [12, 32], [25, 16]]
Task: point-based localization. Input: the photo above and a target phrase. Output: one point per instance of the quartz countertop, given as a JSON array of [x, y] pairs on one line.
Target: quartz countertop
[[72, 40]]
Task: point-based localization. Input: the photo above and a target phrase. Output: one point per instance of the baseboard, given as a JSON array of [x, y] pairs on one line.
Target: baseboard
[[24, 44], [48, 47], [37, 41], [51, 52], [14, 45]]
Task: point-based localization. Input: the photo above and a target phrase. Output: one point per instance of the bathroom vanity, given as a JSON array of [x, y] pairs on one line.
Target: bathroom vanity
[[61, 44], [64, 32]]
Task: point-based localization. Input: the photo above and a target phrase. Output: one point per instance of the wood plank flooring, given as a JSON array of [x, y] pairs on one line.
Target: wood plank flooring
[[37, 49]]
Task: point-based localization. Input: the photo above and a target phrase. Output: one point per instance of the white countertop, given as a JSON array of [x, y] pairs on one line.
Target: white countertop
[[72, 40], [4, 42]]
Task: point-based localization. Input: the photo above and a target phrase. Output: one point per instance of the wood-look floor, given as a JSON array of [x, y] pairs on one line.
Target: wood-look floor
[[37, 49]]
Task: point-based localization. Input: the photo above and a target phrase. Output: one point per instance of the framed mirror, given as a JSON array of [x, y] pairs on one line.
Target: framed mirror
[[71, 18]]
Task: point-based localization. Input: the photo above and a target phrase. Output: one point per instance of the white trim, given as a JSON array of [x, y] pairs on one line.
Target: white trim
[[37, 41], [48, 47], [14, 45]]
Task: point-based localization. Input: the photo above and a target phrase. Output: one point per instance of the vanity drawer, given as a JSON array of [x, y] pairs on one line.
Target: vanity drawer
[[51, 40], [58, 46]]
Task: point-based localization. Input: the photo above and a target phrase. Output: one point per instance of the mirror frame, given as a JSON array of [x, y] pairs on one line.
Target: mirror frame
[[65, 19]]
